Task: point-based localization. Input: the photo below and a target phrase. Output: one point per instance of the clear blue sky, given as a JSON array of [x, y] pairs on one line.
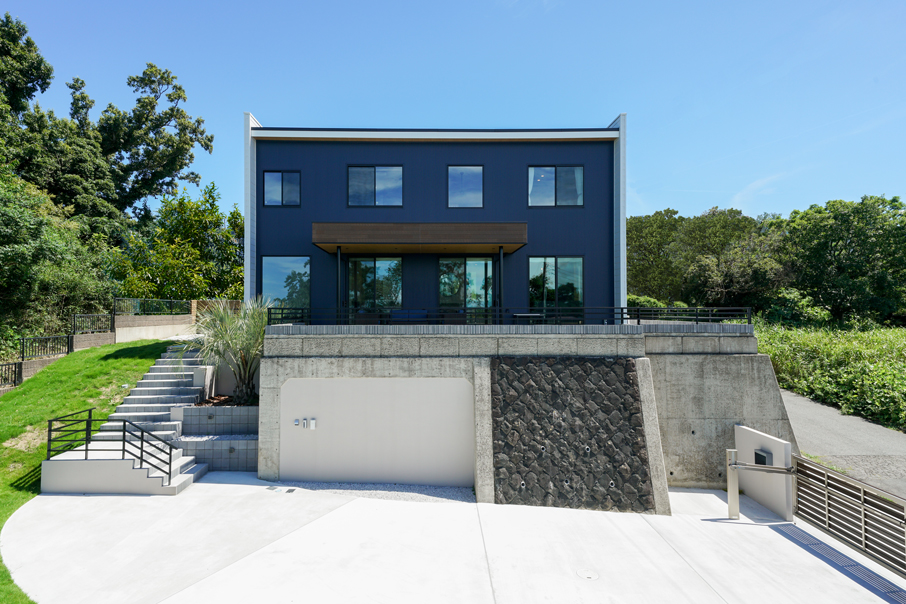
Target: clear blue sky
[[762, 106]]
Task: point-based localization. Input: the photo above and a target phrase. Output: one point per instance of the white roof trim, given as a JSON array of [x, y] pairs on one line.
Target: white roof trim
[[429, 135]]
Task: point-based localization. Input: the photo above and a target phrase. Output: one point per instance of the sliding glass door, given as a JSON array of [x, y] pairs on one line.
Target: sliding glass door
[[375, 284], [466, 282]]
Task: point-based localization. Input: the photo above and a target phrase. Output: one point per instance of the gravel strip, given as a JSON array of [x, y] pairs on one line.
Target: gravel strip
[[393, 492]]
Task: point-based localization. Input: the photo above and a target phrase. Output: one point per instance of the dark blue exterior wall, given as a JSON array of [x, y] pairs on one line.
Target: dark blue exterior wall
[[552, 231]]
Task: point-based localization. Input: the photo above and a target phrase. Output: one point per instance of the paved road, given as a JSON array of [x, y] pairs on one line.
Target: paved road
[[866, 451], [234, 539]]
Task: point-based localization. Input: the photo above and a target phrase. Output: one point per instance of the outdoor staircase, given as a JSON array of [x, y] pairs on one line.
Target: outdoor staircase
[[167, 385]]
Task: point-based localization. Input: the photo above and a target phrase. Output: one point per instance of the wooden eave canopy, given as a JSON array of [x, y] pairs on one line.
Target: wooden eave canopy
[[419, 237]]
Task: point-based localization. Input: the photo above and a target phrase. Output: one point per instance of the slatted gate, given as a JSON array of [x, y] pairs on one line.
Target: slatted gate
[[864, 516]]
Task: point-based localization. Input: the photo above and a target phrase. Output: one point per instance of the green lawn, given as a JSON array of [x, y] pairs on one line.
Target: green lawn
[[89, 378]]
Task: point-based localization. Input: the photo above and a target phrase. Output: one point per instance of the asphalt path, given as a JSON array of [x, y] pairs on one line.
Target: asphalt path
[[864, 450]]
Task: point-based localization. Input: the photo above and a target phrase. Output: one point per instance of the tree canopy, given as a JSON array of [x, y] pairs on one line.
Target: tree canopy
[[102, 168], [845, 258]]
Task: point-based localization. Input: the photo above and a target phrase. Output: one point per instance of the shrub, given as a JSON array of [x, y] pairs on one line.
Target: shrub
[[633, 301], [861, 371]]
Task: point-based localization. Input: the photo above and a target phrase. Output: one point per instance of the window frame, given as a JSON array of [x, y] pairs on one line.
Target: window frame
[[281, 204], [556, 257], [374, 184], [449, 207], [261, 270], [555, 167]]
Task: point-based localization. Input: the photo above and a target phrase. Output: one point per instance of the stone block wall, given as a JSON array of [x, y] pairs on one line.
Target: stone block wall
[[569, 432], [205, 421]]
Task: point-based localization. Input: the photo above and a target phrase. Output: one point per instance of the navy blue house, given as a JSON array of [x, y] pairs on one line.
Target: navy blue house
[[435, 225]]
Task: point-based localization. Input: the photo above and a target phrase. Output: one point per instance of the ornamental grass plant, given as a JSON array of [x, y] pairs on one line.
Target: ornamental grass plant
[[235, 338]]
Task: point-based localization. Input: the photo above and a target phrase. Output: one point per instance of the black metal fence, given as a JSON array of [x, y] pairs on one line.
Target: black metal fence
[[45, 346], [506, 316], [148, 306], [92, 323], [11, 374]]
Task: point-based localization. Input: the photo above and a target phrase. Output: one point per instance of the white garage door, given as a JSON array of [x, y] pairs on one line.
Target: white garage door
[[384, 430]]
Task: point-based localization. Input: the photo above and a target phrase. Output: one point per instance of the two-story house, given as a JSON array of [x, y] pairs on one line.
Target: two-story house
[[380, 226]]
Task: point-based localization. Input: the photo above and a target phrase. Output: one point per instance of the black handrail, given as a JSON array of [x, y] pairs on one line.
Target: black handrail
[[77, 428], [564, 315], [151, 306]]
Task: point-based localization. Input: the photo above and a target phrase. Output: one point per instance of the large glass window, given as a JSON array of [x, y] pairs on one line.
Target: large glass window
[[465, 186], [375, 283], [282, 188], [556, 186], [375, 185], [466, 282], [556, 282], [286, 280]]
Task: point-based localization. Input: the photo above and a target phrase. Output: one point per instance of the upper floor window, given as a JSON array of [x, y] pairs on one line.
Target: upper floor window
[[375, 185], [465, 186], [282, 188], [556, 186]]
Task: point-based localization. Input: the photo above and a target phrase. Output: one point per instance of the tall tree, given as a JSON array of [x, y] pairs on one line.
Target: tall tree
[[651, 268], [850, 257], [23, 71], [150, 148]]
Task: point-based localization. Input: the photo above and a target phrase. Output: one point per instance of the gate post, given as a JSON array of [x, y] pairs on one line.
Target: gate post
[[732, 486]]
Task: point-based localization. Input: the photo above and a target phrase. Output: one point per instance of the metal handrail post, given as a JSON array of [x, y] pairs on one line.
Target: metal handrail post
[[88, 433], [124, 440], [141, 449], [49, 437], [732, 485]]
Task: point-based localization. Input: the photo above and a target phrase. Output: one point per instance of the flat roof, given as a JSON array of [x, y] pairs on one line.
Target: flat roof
[[435, 134]]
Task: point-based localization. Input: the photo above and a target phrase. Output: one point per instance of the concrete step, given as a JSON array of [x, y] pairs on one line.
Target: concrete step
[[180, 483], [165, 435], [149, 408], [141, 416], [150, 425], [174, 369], [191, 354], [173, 390], [179, 465], [167, 375], [164, 383], [186, 362], [176, 399]]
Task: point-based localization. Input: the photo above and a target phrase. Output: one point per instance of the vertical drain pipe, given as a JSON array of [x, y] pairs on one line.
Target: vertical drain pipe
[[339, 286]]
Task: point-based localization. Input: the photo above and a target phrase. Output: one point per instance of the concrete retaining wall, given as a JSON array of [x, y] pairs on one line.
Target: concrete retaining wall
[[700, 398], [696, 382], [152, 327]]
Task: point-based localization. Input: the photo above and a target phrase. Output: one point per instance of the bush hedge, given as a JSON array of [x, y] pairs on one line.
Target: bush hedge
[[863, 372]]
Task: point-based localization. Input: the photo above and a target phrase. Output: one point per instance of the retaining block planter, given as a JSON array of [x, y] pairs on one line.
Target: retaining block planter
[[204, 421]]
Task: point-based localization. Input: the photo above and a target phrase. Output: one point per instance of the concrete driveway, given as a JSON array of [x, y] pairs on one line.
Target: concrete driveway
[[230, 538], [866, 451]]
